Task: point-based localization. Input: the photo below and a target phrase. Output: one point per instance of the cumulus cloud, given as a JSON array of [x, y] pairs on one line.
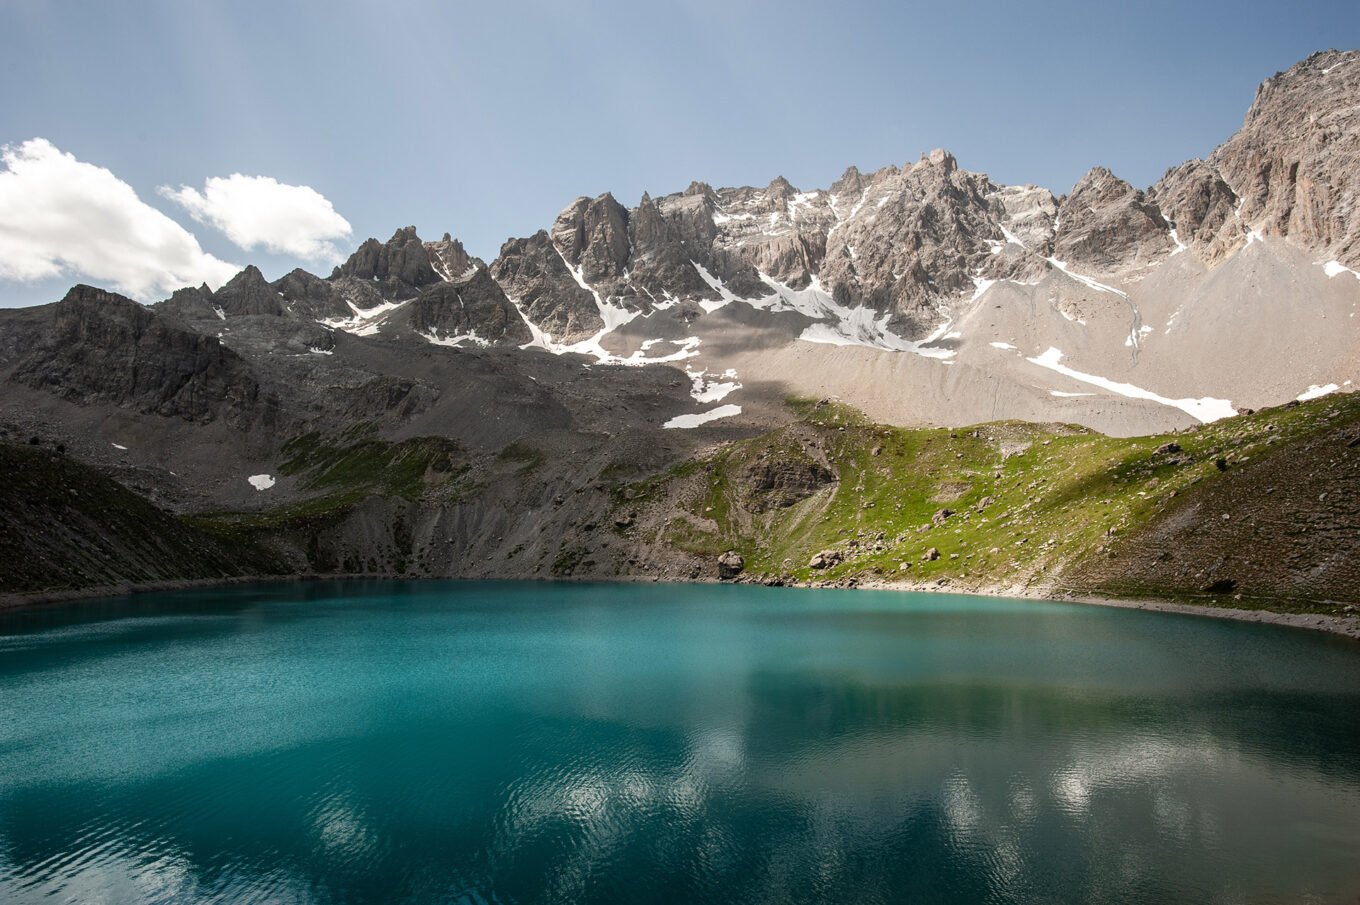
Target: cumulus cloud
[[260, 212], [61, 216]]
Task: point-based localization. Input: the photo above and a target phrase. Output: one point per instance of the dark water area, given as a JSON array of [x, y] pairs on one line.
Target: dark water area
[[508, 742]]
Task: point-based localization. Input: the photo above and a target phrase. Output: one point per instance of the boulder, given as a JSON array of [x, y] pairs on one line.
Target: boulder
[[730, 565], [826, 559]]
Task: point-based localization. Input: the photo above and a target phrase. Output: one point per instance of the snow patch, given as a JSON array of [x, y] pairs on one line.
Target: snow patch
[[1062, 395], [689, 421], [455, 341], [1180, 246], [1085, 280], [719, 218], [261, 481], [1205, 410], [712, 389], [119, 446], [1007, 346], [726, 296], [1336, 268], [1317, 392], [365, 321], [316, 351], [842, 326]]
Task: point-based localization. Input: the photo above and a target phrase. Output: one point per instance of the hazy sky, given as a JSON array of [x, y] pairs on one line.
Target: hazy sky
[[485, 119]]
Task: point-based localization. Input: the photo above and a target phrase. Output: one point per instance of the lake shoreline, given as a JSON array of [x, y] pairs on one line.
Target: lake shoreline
[[1345, 627]]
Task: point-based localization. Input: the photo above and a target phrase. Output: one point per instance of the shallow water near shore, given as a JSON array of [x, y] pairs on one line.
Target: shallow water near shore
[[528, 742]]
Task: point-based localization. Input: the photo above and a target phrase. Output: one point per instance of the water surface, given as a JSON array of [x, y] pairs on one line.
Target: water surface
[[430, 742]]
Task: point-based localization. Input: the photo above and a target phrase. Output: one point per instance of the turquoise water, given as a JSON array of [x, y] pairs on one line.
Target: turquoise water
[[379, 742]]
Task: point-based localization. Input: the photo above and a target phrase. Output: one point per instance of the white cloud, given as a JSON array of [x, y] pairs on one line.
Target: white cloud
[[61, 216], [260, 212]]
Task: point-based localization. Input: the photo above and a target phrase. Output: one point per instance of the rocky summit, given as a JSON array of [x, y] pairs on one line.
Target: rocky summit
[[627, 390]]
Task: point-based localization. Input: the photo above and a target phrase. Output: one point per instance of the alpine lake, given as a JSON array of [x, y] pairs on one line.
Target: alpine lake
[[490, 742]]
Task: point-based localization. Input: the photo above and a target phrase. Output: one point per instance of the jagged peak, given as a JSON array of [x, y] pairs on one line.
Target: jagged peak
[[1099, 179], [940, 158], [249, 275], [699, 188], [781, 187], [851, 181]]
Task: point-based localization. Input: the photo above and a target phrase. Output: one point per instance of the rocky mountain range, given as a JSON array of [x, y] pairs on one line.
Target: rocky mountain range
[[621, 341], [1218, 288]]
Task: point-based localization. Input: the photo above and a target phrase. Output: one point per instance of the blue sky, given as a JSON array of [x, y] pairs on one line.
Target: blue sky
[[485, 119]]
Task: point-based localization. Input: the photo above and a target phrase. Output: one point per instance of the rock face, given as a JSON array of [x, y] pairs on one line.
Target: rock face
[[779, 481], [1295, 163], [536, 276], [1108, 225], [102, 347], [450, 259], [924, 240], [401, 265], [249, 293], [475, 307], [1201, 208]]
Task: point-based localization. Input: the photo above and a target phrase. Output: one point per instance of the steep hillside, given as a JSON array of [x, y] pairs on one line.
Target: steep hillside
[[65, 526]]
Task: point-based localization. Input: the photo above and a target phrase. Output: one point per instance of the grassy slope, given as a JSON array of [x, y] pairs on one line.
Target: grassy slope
[[1033, 505]]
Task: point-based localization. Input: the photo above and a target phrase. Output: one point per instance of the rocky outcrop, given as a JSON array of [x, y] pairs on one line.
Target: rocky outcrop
[[450, 259], [534, 274], [592, 235], [249, 293], [915, 238], [313, 298], [665, 245], [102, 347], [826, 559], [1201, 208], [475, 307], [779, 479], [400, 266], [1107, 225], [1295, 163]]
